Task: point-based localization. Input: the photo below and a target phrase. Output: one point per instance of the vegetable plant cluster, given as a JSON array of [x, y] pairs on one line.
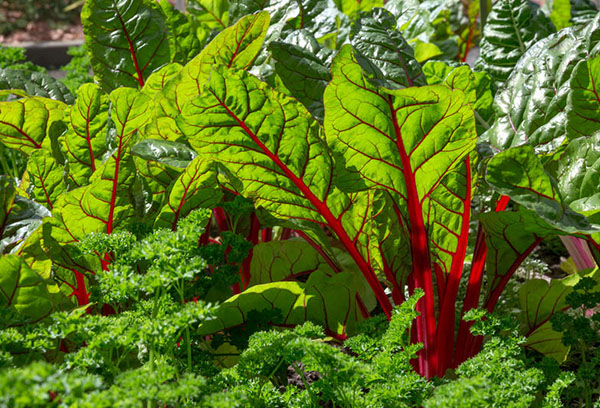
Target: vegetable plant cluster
[[303, 203]]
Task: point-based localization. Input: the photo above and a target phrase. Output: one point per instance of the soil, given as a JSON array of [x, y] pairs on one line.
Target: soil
[[37, 31]]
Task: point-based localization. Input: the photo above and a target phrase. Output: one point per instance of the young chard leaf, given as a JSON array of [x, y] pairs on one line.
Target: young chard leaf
[[126, 40], [276, 261], [539, 300], [85, 140], [235, 47], [47, 178], [25, 123], [196, 187]]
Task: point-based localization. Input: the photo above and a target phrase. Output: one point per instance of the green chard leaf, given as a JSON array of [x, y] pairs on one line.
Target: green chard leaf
[[196, 187], [25, 123], [183, 33], [235, 47], [582, 11], [583, 105], [85, 140], [106, 202], [126, 40], [539, 300], [324, 300], [512, 27], [35, 84], [532, 107], [19, 216], [165, 152], [390, 139], [303, 72], [212, 13], [519, 174], [384, 53], [47, 178], [22, 289], [352, 8]]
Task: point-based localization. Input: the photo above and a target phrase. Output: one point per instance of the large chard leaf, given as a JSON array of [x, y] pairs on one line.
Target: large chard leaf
[[85, 140], [196, 187], [511, 28], [519, 174], [403, 141], [126, 40], [35, 84], [25, 123], [235, 47], [106, 202], [273, 149], [23, 290], [392, 60], [328, 301], [352, 8], [532, 106]]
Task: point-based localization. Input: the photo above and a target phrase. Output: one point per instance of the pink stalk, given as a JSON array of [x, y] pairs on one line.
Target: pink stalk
[[580, 252]]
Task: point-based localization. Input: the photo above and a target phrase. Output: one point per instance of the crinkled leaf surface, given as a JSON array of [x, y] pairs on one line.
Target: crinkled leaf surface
[[23, 289], [512, 27], [387, 53], [19, 217], [85, 141], [532, 106], [25, 123], [304, 73], [328, 301], [582, 11], [321, 18], [163, 151], [35, 84], [519, 174], [126, 40]]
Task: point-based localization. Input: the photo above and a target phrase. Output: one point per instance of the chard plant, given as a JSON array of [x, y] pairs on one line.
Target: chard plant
[[351, 166]]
